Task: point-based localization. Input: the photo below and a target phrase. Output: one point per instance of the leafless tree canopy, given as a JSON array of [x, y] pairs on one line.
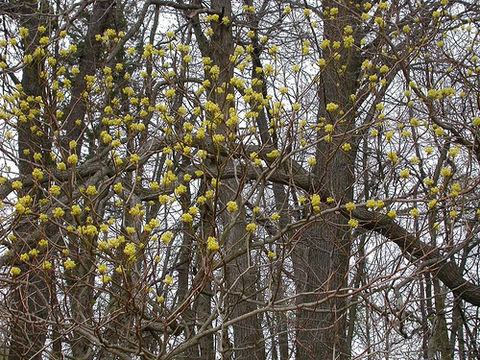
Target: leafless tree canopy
[[248, 179]]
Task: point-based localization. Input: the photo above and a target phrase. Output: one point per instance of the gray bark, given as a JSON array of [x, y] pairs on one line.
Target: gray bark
[[321, 259]]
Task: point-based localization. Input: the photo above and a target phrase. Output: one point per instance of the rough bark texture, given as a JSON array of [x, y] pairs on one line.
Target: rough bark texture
[[322, 257], [89, 62], [248, 335], [219, 301], [29, 300]]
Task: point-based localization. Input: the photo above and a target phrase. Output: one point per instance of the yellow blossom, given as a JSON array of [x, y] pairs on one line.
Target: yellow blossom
[[392, 214], [136, 211], [90, 230], [414, 212], [37, 174], [446, 172], [187, 218], [23, 32], [72, 159], [428, 150], [428, 182], [212, 244], [414, 122], [102, 268], [353, 223], [331, 107], [33, 252], [273, 154], [58, 212], [76, 210], [193, 210], [168, 280], [166, 237], [170, 93], [130, 249], [43, 243], [315, 200], [232, 206], [69, 264], [91, 190], [17, 185], [405, 173], [20, 208], [350, 206], [180, 189], [134, 158], [54, 190], [392, 156], [118, 187]]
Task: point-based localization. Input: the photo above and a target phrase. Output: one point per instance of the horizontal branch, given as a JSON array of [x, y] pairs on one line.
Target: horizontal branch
[[445, 269]]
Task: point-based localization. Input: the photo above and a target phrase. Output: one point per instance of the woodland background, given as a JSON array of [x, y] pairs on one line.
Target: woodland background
[[239, 179]]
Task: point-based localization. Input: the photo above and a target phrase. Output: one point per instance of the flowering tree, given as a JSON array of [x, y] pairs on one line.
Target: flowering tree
[[239, 179]]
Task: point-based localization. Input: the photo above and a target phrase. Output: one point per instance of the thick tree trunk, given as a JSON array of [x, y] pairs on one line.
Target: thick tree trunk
[[248, 335], [29, 299], [321, 260], [321, 269], [203, 311], [29, 315]]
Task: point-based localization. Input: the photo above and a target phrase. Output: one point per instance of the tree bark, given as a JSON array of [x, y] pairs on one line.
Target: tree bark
[[247, 333], [29, 298], [322, 258]]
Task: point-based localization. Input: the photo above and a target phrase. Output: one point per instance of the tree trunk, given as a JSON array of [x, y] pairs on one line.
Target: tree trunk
[[29, 299], [248, 335], [321, 260]]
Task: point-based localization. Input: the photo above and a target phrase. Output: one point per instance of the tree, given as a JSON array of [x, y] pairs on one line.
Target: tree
[[238, 180]]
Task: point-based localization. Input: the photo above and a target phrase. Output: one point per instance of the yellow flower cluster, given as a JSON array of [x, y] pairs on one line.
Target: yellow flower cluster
[[166, 237], [130, 249], [212, 244], [232, 206], [69, 264]]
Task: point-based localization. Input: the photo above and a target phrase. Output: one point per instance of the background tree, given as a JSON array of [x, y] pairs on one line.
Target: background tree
[[226, 179]]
